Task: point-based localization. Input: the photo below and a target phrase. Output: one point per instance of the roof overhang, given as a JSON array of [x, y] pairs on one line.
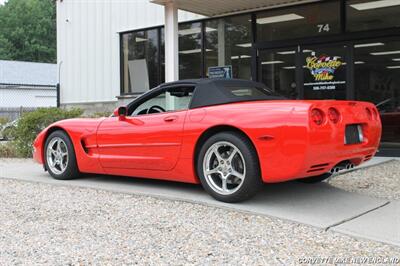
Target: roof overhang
[[212, 8]]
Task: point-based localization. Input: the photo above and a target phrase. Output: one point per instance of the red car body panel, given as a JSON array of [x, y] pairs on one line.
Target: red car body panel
[[163, 145]]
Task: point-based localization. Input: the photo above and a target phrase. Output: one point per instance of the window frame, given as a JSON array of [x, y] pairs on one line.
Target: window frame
[[121, 57]]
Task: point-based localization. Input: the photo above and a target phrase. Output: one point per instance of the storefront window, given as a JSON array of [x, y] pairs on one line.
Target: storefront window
[[140, 61], [228, 43], [190, 50], [368, 15], [325, 72], [310, 20], [377, 80], [277, 70]]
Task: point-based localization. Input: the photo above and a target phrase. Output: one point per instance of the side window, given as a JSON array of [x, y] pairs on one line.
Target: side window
[[171, 99]]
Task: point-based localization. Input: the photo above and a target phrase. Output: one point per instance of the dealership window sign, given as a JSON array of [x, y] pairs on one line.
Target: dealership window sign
[[326, 72], [220, 72]]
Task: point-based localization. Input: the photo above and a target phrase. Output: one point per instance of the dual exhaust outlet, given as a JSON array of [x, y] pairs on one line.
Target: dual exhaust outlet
[[340, 167]]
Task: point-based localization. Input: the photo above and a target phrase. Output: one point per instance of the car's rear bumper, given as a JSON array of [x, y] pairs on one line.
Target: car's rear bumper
[[325, 163], [301, 166], [304, 149]]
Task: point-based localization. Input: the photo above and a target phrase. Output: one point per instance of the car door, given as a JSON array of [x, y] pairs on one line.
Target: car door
[[150, 137]]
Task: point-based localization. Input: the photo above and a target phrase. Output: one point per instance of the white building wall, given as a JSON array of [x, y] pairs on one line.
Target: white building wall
[[27, 97], [88, 53]]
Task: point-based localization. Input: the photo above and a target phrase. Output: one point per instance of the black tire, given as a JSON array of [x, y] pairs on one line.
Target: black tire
[[252, 178], [71, 171], [314, 179]]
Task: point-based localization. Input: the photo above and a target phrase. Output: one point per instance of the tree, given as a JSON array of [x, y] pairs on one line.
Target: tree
[[28, 30]]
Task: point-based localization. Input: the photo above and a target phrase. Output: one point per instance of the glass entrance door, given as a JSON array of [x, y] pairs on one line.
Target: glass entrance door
[[306, 72]]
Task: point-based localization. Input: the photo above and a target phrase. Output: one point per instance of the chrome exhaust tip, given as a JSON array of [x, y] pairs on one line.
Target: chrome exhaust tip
[[335, 170], [341, 166]]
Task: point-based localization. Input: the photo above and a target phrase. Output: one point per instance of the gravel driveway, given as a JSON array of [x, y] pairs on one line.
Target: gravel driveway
[[45, 224], [382, 181]]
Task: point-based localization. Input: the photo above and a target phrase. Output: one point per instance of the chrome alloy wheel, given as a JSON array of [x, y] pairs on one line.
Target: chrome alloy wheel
[[57, 155], [224, 168]]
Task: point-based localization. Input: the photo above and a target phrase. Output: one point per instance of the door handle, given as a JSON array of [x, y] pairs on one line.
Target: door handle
[[170, 118]]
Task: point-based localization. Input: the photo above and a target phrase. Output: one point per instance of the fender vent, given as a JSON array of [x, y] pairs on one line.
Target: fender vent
[[84, 146]]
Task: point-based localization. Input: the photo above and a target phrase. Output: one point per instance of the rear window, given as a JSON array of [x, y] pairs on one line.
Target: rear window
[[249, 92], [213, 92]]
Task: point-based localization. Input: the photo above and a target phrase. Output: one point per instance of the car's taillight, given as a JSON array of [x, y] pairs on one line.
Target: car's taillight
[[369, 113], [334, 115], [317, 116]]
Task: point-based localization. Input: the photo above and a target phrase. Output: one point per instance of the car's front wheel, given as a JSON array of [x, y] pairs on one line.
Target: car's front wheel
[[60, 160], [228, 167]]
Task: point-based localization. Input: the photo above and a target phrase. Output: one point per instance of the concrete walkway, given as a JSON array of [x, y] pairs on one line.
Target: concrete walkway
[[319, 205]]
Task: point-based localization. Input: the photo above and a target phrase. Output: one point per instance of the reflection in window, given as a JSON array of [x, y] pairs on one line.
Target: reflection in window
[[140, 61], [190, 50], [377, 80], [300, 21], [368, 15], [277, 71], [228, 42]]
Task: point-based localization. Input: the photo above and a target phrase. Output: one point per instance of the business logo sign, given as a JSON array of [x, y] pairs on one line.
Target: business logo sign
[[323, 68]]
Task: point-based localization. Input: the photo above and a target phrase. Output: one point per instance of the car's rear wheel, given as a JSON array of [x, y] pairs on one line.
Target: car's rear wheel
[[314, 179], [228, 167], [60, 160]]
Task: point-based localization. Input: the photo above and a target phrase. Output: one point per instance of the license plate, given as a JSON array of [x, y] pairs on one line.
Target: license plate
[[353, 134]]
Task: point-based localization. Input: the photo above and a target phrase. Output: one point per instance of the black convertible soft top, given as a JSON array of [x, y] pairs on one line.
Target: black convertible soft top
[[222, 91]]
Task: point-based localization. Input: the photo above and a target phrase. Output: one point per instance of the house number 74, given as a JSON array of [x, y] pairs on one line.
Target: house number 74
[[323, 27]]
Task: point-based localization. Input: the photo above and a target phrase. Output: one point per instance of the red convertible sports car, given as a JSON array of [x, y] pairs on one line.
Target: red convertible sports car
[[229, 135]]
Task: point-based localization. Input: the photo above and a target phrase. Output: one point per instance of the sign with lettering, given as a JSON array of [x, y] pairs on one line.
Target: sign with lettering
[[220, 72], [323, 70]]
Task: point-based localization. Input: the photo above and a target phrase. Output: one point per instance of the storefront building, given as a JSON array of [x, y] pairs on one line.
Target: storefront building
[[332, 49], [325, 50]]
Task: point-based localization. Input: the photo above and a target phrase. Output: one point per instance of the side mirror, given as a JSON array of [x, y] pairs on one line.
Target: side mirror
[[121, 112]]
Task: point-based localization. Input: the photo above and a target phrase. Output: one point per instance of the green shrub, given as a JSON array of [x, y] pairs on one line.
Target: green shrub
[[8, 150], [9, 133], [32, 123], [99, 114]]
